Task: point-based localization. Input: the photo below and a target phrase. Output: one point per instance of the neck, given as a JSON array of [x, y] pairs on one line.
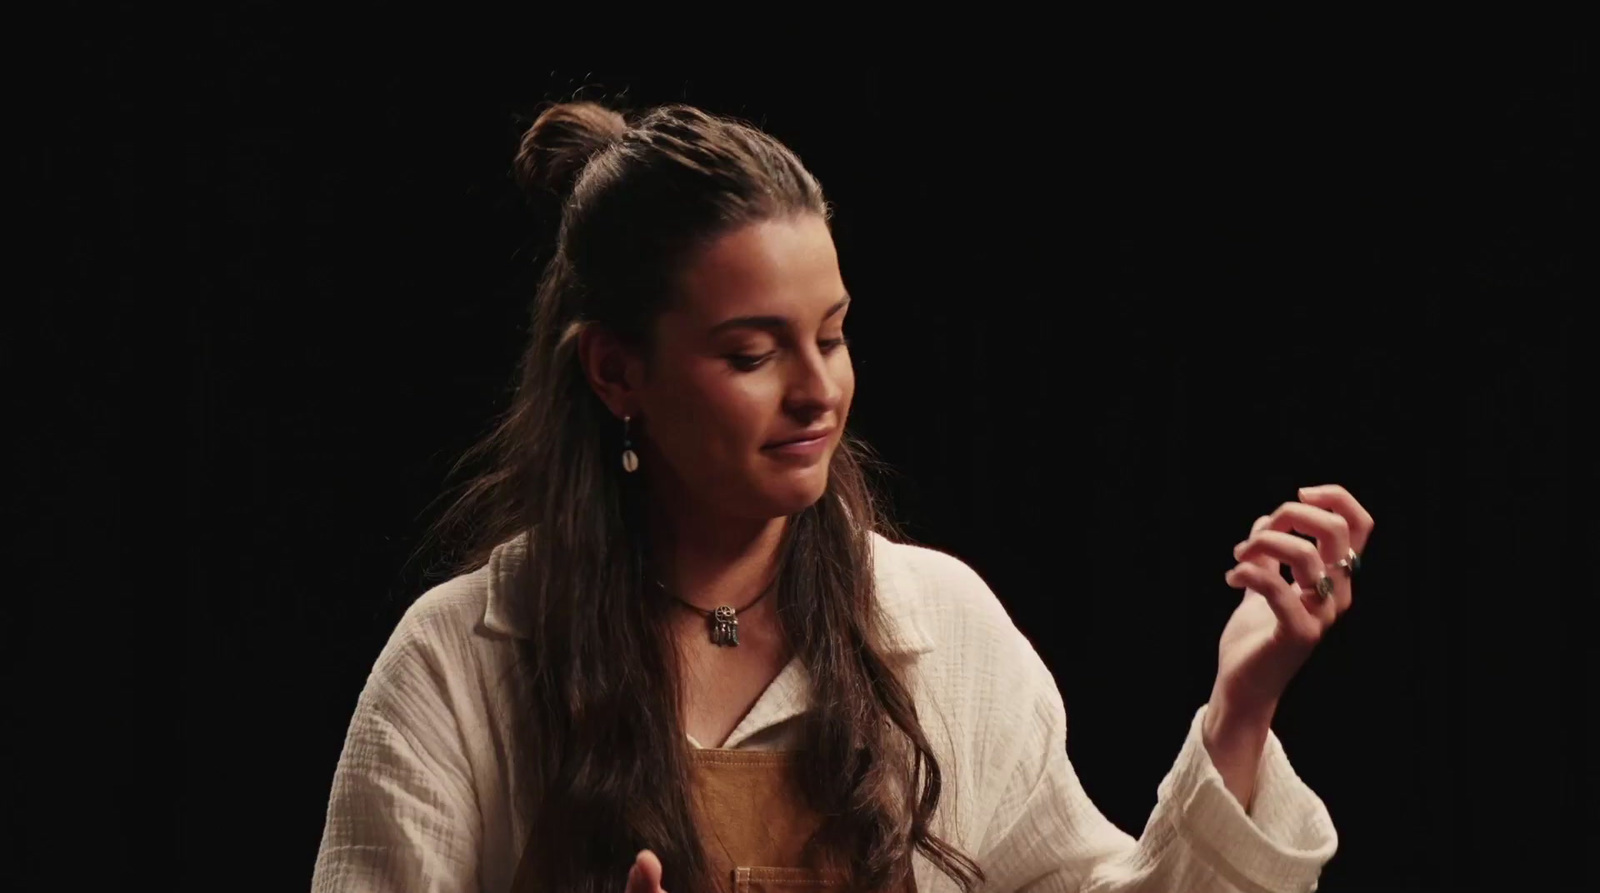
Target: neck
[[708, 559]]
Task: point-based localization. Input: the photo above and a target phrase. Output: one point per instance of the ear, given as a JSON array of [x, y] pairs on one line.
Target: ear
[[613, 371]]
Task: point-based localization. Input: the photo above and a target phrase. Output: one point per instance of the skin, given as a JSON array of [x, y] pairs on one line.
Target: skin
[[751, 353], [1278, 623]]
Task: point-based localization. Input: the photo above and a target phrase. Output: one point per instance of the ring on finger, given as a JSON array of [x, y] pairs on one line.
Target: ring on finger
[[1324, 588], [1350, 563]]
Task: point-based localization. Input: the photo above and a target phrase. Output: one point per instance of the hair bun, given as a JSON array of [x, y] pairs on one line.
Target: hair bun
[[560, 142]]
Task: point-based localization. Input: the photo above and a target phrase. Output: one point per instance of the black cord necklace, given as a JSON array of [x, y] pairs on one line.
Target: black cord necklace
[[722, 621]]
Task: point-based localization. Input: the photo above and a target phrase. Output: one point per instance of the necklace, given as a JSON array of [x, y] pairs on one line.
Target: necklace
[[722, 621]]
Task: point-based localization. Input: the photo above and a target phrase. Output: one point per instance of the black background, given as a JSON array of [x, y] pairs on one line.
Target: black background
[[1115, 298]]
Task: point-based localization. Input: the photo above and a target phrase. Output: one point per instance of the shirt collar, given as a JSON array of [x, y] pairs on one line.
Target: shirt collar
[[908, 635]]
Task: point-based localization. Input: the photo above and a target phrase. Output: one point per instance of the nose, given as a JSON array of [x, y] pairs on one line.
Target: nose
[[814, 386]]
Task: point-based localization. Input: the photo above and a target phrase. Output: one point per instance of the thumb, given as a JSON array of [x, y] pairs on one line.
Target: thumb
[[645, 875]]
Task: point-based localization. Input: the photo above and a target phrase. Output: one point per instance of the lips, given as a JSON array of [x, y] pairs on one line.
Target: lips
[[803, 437]]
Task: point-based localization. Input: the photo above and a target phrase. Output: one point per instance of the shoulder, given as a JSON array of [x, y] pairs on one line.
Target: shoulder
[[973, 656], [455, 606], [446, 616], [997, 701], [942, 595], [443, 642], [472, 608]]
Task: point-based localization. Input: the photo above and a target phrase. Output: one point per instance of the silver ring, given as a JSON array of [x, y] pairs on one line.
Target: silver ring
[[1324, 588], [1350, 563]]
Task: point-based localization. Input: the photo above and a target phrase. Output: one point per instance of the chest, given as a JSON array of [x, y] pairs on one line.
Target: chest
[[722, 683]]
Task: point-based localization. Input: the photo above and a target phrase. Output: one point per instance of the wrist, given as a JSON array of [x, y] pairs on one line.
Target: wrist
[[1232, 725], [1235, 737]]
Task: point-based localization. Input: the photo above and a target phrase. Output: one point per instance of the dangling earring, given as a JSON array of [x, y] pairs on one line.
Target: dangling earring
[[630, 459]]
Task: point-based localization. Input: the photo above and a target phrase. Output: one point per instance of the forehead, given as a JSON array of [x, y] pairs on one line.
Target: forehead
[[786, 266]]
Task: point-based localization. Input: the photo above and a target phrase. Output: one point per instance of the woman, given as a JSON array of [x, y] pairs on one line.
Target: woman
[[687, 657]]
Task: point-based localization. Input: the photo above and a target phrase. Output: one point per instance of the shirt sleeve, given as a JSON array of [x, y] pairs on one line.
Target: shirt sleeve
[[402, 815], [1048, 836]]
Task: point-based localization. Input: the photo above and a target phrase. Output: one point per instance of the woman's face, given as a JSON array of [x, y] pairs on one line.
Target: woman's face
[[746, 395]]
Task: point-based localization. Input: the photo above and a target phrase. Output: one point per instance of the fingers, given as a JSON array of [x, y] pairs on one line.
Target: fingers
[[1329, 529], [645, 875], [1338, 500], [1300, 554], [1263, 560], [1293, 611], [1336, 523]]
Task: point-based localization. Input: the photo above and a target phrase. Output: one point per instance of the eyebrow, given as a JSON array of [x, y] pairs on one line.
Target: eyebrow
[[769, 323]]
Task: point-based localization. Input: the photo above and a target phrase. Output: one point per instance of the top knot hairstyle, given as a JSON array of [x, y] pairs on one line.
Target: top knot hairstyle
[[558, 145], [602, 760]]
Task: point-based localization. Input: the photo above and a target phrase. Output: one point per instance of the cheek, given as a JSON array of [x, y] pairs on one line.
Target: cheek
[[844, 378], [847, 385], [743, 406], [709, 412]]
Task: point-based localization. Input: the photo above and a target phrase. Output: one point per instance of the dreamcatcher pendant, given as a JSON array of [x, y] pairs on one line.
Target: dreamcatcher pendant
[[724, 627]]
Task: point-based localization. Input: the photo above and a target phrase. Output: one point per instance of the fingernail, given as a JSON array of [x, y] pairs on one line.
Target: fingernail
[[1239, 548], [1302, 492]]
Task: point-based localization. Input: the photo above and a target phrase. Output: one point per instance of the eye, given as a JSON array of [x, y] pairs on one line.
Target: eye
[[748, 362], [829, 345]]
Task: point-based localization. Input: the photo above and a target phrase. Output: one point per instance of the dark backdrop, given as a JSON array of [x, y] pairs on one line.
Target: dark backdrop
[[1114, 300]]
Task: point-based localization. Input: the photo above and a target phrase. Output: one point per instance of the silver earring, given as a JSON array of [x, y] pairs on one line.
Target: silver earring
[[630, 459]]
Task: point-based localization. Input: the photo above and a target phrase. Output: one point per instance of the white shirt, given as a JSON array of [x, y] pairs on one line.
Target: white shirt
[[421, 795]]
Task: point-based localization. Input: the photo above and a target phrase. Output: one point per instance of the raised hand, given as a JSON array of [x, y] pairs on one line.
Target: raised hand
[[1278, 623]]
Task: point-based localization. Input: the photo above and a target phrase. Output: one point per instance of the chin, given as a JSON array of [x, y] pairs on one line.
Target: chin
[[795, 493]]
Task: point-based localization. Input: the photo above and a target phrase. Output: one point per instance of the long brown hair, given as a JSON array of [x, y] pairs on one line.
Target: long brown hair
[[602, 752]]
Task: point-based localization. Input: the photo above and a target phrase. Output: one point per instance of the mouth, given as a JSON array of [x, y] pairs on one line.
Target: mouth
[[802, 442]]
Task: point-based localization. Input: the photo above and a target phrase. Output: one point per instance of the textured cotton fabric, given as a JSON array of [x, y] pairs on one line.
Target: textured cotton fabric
[[421, 797]]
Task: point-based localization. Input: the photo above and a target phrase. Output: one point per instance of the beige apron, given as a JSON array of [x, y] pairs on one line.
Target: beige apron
[[753, 824]]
